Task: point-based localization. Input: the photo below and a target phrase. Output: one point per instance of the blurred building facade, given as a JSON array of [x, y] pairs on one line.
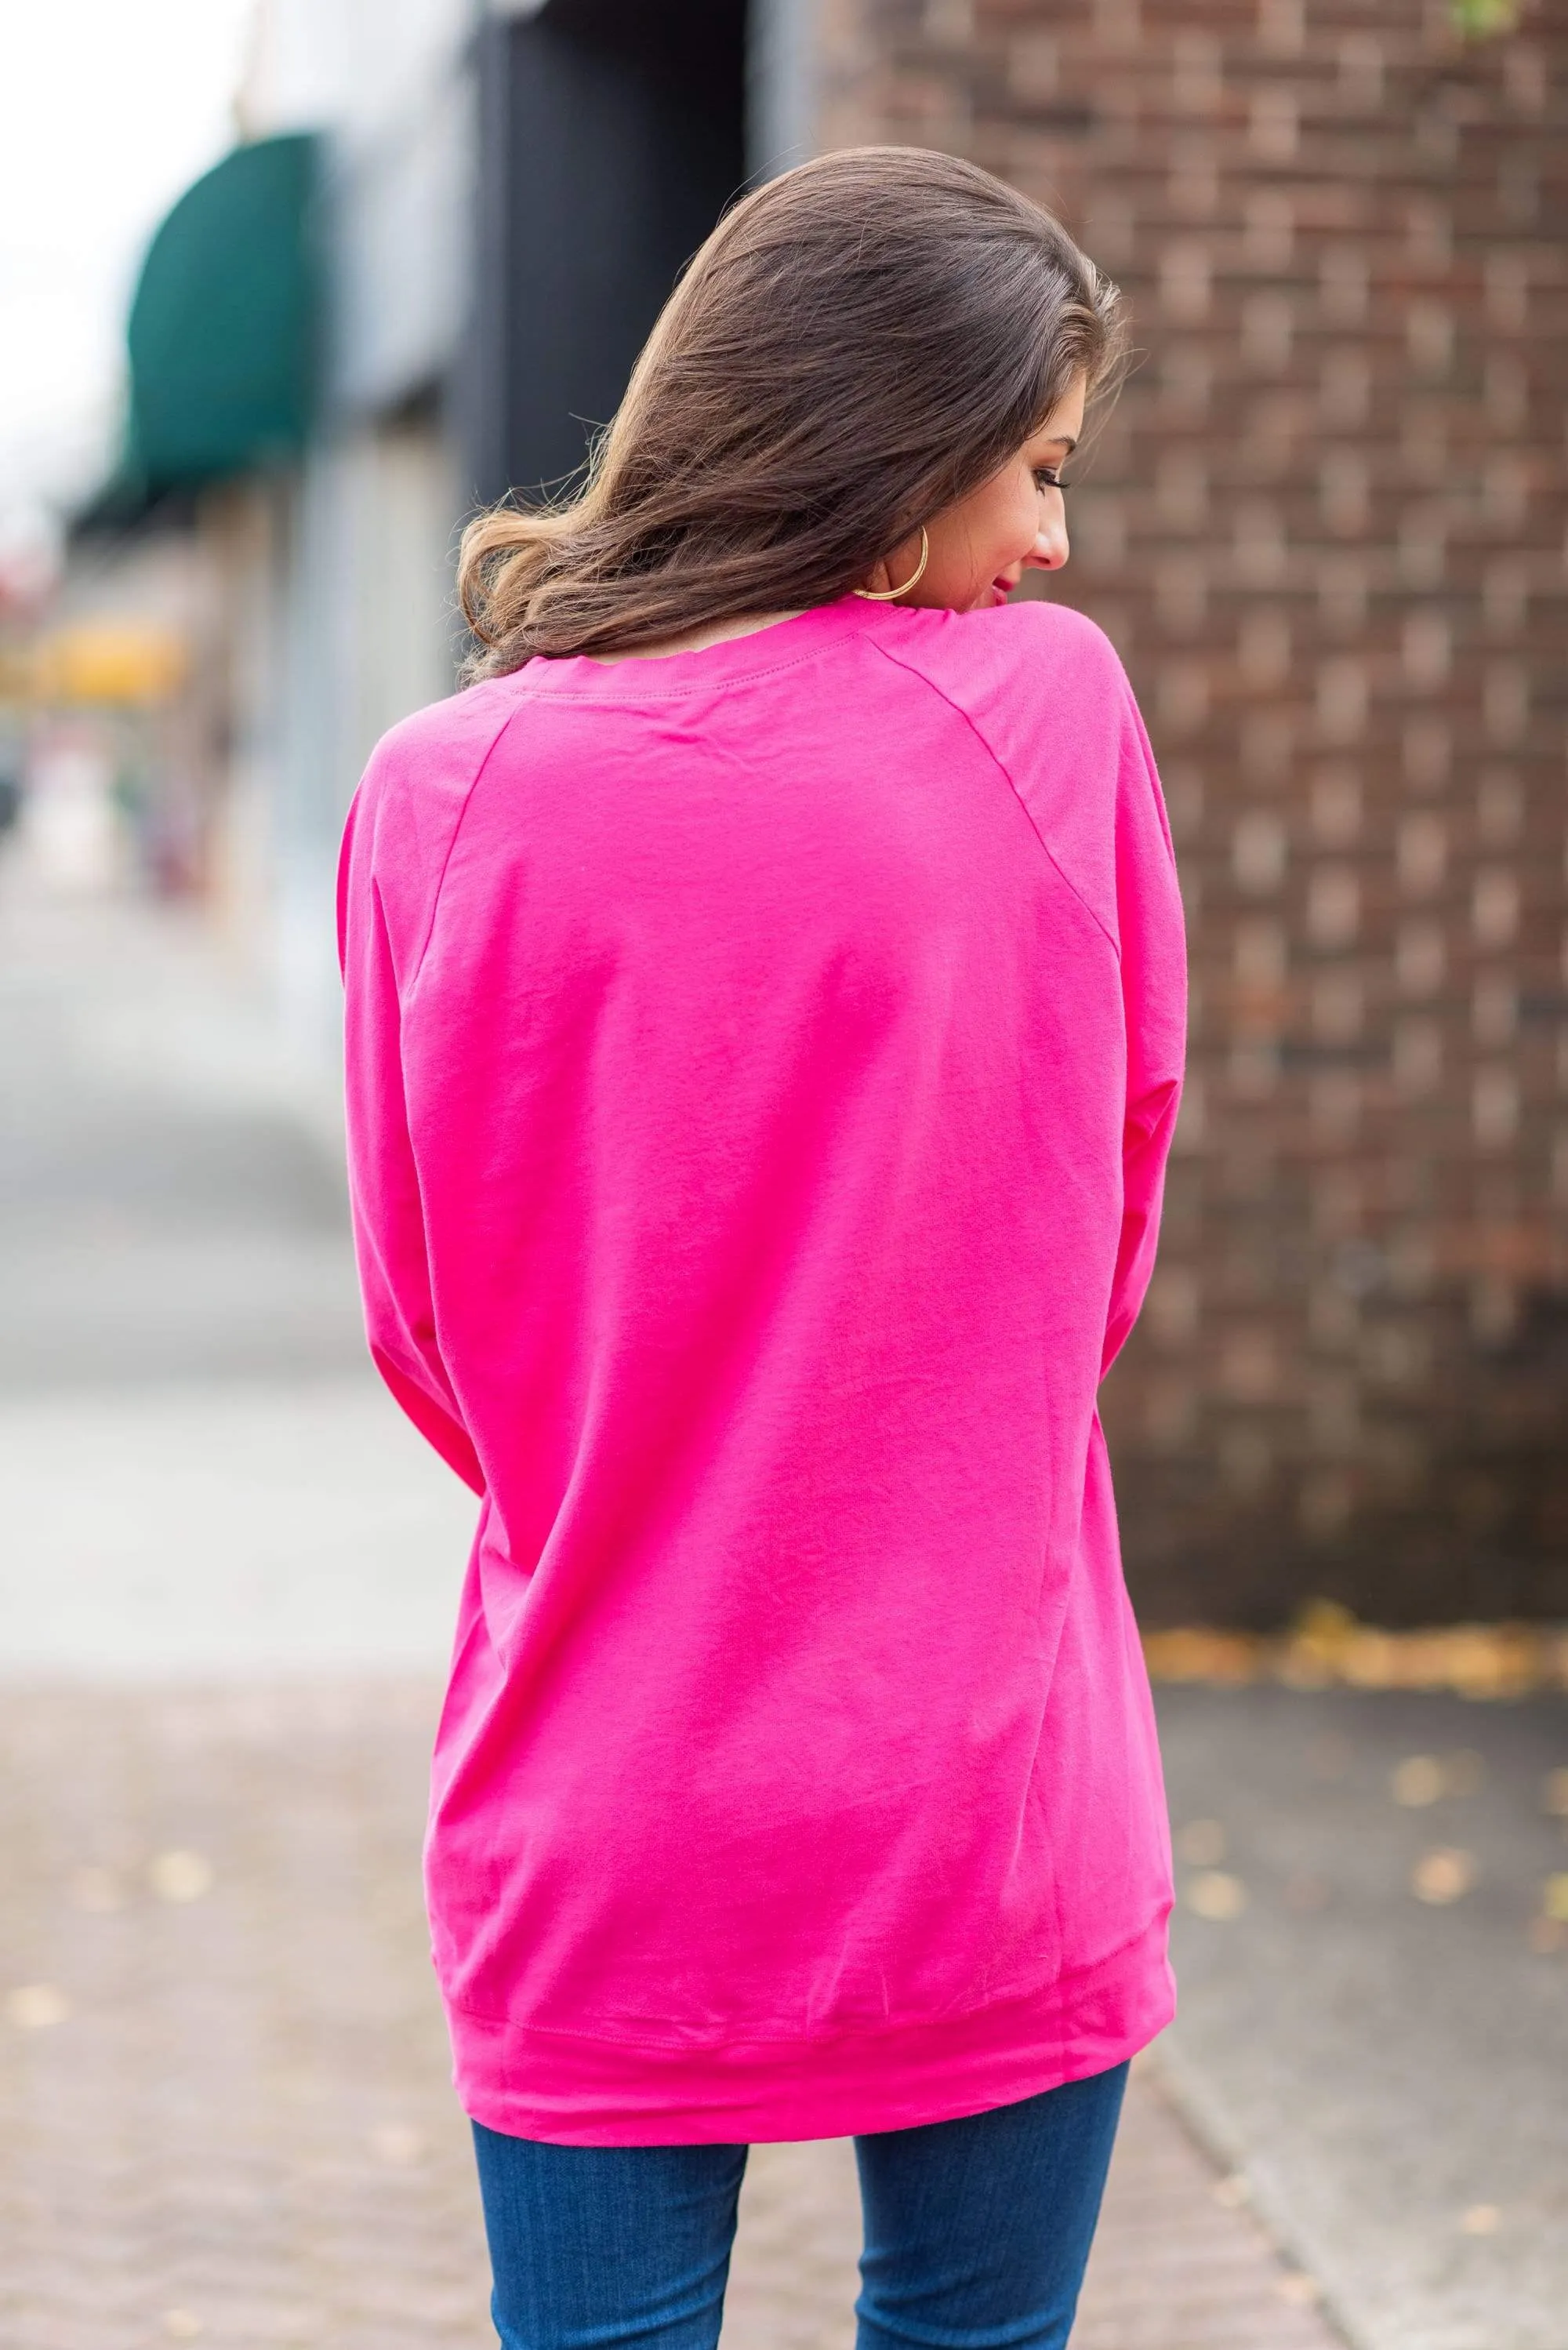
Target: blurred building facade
[[337, 559], [1327, 526], [456, 221]]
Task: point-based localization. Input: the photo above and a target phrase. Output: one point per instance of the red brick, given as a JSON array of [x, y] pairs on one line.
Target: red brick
[[1328, 527]]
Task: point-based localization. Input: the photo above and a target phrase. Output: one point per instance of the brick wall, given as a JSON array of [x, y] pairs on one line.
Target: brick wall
[[1327, 528]]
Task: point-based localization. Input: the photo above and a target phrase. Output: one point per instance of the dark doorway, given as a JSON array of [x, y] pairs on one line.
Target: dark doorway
[[612, 135]]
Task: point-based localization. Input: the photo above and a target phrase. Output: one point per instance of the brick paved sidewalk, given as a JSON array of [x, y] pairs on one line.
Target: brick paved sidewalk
[[225, 2115]]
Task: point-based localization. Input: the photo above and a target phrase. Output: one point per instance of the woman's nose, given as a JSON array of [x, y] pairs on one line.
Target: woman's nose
[[1049, 551]]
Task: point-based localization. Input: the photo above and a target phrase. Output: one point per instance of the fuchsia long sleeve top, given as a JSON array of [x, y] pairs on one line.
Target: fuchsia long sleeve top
[[762, 1062]]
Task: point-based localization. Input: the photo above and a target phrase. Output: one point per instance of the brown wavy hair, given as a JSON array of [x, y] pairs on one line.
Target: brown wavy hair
[[858, 343]]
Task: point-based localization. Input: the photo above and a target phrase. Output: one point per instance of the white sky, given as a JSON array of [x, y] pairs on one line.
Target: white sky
[[108, 109]]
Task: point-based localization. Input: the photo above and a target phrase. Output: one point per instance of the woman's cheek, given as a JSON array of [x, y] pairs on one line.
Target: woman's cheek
[[1026, 526]]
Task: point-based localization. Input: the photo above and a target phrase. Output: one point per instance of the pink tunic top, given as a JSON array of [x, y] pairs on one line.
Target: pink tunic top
[[761, 1065]]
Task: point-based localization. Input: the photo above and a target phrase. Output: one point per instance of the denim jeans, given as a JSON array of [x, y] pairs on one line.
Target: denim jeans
[[977, 2232]]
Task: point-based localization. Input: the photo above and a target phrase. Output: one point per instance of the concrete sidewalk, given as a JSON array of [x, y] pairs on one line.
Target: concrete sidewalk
[[1374, 1994], [224, 2111]]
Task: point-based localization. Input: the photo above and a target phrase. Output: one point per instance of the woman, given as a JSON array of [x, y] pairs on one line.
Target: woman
[[765, 1021]]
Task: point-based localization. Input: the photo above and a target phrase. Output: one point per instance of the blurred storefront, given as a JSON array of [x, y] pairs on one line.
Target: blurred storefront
[[1326, 527], [287, 456], [419, 280]]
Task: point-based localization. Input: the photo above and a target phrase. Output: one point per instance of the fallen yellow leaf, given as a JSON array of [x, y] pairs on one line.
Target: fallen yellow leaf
[[1228, 1659], [34, 2007], [180, 1876], [1326, 1645], [1442, 1875], [1217, 1897]]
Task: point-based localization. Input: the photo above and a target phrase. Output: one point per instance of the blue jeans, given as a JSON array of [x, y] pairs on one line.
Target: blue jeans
[[977, 2232]]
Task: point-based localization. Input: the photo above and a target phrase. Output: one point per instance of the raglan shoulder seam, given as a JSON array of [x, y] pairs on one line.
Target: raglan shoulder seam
[[491, 746], [912, 669]]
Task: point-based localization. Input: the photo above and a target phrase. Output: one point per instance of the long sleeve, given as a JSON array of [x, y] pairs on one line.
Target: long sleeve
[[1154, 995], [383, 1180]]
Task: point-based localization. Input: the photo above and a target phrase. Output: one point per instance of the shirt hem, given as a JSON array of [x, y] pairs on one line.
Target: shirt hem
[[563, 2089]]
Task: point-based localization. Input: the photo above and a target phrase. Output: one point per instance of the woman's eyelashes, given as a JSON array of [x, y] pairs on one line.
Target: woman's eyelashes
[[1046, 477]]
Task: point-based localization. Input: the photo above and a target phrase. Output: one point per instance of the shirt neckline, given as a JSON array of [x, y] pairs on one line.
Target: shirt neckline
[[782, 644]]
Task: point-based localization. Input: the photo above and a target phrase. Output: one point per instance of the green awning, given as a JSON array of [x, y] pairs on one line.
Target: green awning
[[223, 329]]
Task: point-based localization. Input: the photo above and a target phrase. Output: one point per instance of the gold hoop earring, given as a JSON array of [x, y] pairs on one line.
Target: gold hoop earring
[[890, 594]]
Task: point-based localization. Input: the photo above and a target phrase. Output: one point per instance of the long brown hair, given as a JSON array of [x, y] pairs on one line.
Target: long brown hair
[[858, 344]]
